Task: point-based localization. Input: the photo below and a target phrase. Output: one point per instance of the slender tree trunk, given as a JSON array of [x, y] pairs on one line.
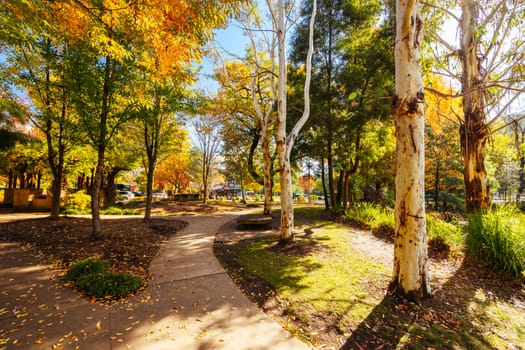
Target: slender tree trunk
[[330, 165], [410, 277], [436, 187], [149, 188], [96, 232], [285, 142], [345, 189], [323, 182], [267, 164], [339, 194], [473, 132], [287, 218]]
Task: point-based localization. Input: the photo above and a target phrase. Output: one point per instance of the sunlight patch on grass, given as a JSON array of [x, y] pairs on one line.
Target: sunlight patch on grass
[[332, 279], [501, 323]]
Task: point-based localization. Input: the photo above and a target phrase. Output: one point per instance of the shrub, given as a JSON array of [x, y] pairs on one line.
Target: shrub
[[108, 285], [313, 198], [80, 201], [497, 237], [301, 199], [381, 221], [370, 215], [443, 232], [86, 267], [93, 277], [113, 210]]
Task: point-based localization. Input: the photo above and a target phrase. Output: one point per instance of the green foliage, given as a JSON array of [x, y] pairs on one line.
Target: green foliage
[[114, 210], [80, 201], [370, 215], [327, 281], [313, 198], [441, 235], [301, 199], [108, 285], [93, 277], [86, 267], [450, 233], [498, 238]]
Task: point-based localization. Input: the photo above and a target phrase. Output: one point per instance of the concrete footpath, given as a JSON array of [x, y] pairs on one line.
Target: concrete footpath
[[190, 303]]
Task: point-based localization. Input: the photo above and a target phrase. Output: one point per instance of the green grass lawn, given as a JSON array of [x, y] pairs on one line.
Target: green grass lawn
[[330, 293]]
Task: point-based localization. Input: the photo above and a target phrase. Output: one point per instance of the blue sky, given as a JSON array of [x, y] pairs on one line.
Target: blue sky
[[230, 39]]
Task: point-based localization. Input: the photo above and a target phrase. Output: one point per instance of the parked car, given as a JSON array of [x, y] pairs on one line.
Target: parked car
[[160, 195], [125, 195]]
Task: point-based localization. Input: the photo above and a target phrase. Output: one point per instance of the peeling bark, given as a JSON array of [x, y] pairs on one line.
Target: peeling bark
[[473, 132], [410, 275]]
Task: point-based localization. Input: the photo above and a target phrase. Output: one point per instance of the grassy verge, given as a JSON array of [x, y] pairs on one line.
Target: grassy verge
[[332, 294]]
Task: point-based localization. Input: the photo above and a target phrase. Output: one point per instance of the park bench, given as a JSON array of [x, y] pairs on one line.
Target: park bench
[[254, 220]]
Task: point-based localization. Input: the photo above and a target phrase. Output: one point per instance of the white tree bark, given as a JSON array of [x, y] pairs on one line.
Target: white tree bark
[[410, 277], [285, 142]]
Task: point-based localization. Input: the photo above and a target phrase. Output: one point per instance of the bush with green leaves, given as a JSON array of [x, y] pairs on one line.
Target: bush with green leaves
[[444, 236], [108, 285], [370, 215], [86, 267], [114, 210], [93, 277], [79, 202], [498, 238]]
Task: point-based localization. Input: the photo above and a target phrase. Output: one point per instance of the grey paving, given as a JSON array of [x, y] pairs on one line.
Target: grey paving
[[190, 303]]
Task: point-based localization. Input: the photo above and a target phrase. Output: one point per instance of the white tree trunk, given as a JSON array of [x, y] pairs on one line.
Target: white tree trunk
[[410, 278], [285, 143]]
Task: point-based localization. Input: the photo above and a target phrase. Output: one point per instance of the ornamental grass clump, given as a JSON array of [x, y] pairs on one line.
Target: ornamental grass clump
[[498, 238]]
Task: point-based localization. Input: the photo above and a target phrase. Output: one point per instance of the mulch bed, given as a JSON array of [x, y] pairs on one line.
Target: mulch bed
[[128, 244]]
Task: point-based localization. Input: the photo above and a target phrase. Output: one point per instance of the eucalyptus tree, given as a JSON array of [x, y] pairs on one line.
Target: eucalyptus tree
[[486, 63], [285, 140], [410, 274]]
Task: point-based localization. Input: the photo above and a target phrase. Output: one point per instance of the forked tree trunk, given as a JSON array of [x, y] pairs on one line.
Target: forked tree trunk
[[410, 278], [474, 132], [285, 142]]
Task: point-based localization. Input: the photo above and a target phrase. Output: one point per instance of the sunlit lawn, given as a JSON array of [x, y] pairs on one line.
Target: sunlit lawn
[[332, 294]]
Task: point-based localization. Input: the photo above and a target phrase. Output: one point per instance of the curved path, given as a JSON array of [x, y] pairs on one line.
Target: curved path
[[190, 303]]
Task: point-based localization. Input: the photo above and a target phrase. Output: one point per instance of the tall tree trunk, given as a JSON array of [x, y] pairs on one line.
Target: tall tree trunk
[[323, 182], [96, 232], [330, 165], [436, 187], [345, 189], [474, 132], [339, 194], [149, 189], [410, 277], [285, 176], [267, 164], [285, 142]]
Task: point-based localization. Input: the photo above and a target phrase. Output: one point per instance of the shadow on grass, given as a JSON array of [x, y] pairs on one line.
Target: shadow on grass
[[458, 316]]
